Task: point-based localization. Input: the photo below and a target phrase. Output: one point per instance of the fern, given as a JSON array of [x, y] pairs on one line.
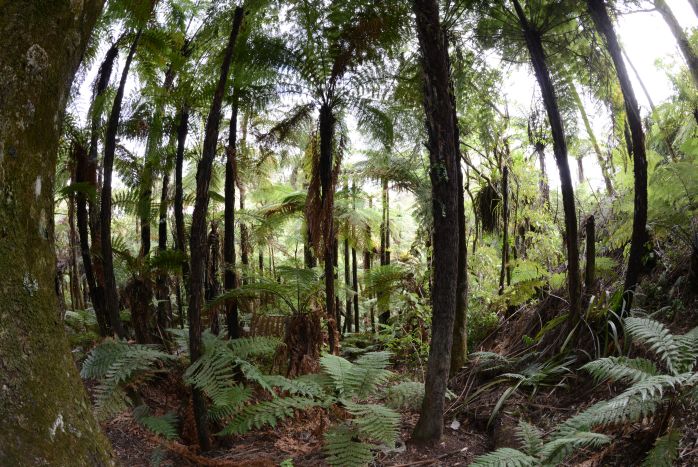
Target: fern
[[531, 438], [657, 337], [164, 425], [117, 365], [344, 449], [665, 451], [266, 413], [621, 369], [375, 422], [505, 457], [360, 378], [406, 395]]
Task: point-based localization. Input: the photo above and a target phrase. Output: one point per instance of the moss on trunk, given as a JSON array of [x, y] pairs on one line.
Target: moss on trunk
[[45, 416]]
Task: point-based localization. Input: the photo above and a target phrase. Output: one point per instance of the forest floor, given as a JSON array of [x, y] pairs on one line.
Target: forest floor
[[468, 432]]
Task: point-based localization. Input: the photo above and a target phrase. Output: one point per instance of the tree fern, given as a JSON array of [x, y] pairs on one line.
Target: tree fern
[[117, 365], [164, 425], [665, 451], [266, 413], [405, 395], [657, 337], [359, 378], [344, 449], [374, 422], [505, 457], [621, 369]]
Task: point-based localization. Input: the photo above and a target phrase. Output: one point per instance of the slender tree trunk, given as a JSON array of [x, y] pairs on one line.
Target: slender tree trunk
[[347, 284], [81, 171], [75, 291], [442, 129], [211, 283], [162, 289], [590, 268], [45, 416], [230, 279], [592, 137], [459, 351], [354, 267], [681, 39], [597, 8], [580, 170], [197, 241], [368, 257], [535, 49], [111, 298], [182, 131], [505, 228], [385, 243], [543, 183], [244, 237]]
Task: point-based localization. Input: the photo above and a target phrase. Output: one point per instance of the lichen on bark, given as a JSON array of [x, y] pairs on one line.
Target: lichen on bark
[[45, 416]]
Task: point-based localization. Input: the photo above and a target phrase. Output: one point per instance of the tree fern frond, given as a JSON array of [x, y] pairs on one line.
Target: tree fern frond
[[164, 425], [657, 337], [621, 369], [555, 451], [375, 422], [531, 438], [406, 395], [505, 457], [344, 449], [665, 451], [266, 413]]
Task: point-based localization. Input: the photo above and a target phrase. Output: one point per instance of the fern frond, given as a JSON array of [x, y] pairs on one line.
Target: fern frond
[[266, 413], [164, 425], [359, 378], [555, 451], [299, 387], [531, 438], [621, 369], [657, 337], [228, 402], [665, 451], [505, 457], [375, 422], [406, 395], [344, 449]]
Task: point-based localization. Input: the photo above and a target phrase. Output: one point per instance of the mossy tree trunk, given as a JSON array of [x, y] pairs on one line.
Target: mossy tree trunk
[[45, 416], [442, 130]]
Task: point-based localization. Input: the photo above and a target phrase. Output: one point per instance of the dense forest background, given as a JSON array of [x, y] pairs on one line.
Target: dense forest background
[[347, 233]]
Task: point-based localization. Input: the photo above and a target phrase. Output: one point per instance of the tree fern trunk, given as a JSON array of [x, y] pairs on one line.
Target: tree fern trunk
[[229, 276], [197, 241], [540, 67], [597, 9], [442, 129], [459, 350], [45, 416], [681, 39], [111, 299]]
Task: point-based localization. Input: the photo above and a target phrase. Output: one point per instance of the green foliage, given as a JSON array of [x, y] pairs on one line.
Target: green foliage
[[266, 413], [164, 425], [360, 378], [120, 367], [665, 451], [406, 395]]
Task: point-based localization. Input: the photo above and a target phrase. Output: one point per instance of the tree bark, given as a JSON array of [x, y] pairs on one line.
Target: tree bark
[[197, 241], [45, 416], [229, 278], [681, 39], [598, 12], [442, 130], [505, 228], [459, 350], [162, 289], [211, 283], [590, 267], [384, 316], [543, 183], [111, 299], [347, 284], [538, 60], [180, 235]]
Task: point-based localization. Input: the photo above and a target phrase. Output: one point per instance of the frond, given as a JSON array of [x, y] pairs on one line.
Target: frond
[[505, 457], [266, 413], [360, 378], [621, 369], [344, 449], [406, 395], [375, 422], [665, 451], [164, 425], [657, 337], [531, 438], [555, 451]]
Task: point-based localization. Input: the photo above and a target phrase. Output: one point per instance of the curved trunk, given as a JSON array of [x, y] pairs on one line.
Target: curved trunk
[[597, 8], [197, 240], [442, 130], [681, 39], [111, 299], [592, 137], [535, 49], [45, 415], [229, 278]]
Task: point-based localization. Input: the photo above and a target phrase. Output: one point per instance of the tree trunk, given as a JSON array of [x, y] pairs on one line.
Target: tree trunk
[[535, 49], [327, 128], [347, 285], [592, 137], [590, 267], [459, 350], [681, 39], [597, 8], [162, 289], [111, 298], [368, 257], [197, 241], [81, 176], [45, 416], [354, 267], [580, 169], [442, 130], [384, 316], [229, 278], [75, 292], [211, 283], [182, 131], [543, 183], [505, 228]]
